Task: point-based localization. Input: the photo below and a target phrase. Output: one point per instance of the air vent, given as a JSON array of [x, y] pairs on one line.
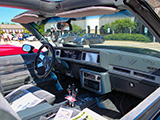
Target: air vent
[[121, 70], [83, 56], [58, 53], [151, 77], [98, 59]]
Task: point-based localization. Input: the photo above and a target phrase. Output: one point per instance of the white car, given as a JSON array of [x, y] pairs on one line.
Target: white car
[[48, 38], [31, 38]]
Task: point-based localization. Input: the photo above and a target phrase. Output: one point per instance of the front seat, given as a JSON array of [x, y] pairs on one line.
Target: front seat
[[38, 92], [7, 113]]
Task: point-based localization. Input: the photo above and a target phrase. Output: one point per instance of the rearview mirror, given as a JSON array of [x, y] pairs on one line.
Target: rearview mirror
[[64, 26]]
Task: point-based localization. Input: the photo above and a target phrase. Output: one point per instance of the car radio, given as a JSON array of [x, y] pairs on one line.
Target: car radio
[[92, 80]]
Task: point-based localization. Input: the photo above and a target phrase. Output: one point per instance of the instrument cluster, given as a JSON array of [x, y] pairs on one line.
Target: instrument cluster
[[73, 54]]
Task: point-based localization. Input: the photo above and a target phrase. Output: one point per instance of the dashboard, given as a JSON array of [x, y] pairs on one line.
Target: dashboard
[[102, 71], [78, 55]]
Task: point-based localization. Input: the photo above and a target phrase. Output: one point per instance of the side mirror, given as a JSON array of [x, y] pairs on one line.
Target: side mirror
[[28, 48], [64, 26]]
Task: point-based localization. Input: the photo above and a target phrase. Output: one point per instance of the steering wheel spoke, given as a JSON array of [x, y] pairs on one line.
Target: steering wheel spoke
[[39, 64], [41, 56]]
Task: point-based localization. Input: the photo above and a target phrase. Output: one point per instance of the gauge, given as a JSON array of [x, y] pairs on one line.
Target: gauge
[[74, 55]]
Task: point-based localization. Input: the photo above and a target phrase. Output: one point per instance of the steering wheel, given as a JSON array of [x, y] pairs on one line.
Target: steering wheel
[[44, 61]]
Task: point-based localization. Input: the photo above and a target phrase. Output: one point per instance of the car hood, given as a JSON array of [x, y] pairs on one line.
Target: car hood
[[77, 39], [10, 50]]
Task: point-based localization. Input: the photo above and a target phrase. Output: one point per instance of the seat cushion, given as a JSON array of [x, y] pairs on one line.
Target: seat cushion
[[38, 92]]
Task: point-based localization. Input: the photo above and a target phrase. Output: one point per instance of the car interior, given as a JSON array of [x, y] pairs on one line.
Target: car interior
[[110, 80]]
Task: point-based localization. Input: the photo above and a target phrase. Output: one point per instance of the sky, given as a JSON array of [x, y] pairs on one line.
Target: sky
[[6, 14]]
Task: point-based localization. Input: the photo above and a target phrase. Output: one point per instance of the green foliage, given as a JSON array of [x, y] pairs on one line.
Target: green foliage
[[7, 23], [121, 25], [81, 35], [76, 29], [106, 26], [26, 31], [128, 37], [12, 24], [41, 28], [1, 32]]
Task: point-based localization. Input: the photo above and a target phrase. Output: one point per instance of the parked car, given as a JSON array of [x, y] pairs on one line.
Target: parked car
[[65, 38], [25, 36], [10, 50], [31, 38], [89, 38], [117, 79], [6, 50], [48, 37]]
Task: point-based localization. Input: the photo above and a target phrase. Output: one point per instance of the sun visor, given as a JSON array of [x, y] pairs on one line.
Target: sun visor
[[27, 17], [88, 11]]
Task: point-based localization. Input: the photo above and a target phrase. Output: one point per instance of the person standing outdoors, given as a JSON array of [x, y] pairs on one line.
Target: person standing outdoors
[[55, 35], [20, 38], [5, 37], [10, 37]]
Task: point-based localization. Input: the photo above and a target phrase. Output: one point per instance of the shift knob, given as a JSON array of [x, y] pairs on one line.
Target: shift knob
[[69, 90]]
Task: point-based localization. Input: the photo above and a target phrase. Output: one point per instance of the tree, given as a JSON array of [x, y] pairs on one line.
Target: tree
[[106, 26], [26, 31], [122, 26], [1, 31], [76, 29], [12, 24], [40, 28]]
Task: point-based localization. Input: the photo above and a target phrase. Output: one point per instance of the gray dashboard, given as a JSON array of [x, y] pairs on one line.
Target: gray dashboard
[[118, 70]]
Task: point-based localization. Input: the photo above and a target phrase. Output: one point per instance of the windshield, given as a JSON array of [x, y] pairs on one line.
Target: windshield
[[119, 31]]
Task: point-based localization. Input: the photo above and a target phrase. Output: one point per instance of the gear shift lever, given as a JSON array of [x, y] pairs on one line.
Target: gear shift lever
[[72, 93], [69, 90], [69, 93]]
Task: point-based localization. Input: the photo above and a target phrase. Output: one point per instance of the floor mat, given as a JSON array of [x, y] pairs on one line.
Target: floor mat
[[107, 109]]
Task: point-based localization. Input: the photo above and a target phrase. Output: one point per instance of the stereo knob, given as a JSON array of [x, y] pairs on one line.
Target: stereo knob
[[98, 78]]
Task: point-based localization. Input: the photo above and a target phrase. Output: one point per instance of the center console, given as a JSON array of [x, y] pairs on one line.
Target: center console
[[97, 82]]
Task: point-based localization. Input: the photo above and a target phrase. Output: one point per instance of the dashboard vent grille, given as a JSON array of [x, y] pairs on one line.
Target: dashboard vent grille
[[83, 56], [144, 75], [121, 70], [98, 59]]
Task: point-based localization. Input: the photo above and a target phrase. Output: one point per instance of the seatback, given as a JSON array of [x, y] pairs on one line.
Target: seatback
[[15, 71], [6, 112]]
